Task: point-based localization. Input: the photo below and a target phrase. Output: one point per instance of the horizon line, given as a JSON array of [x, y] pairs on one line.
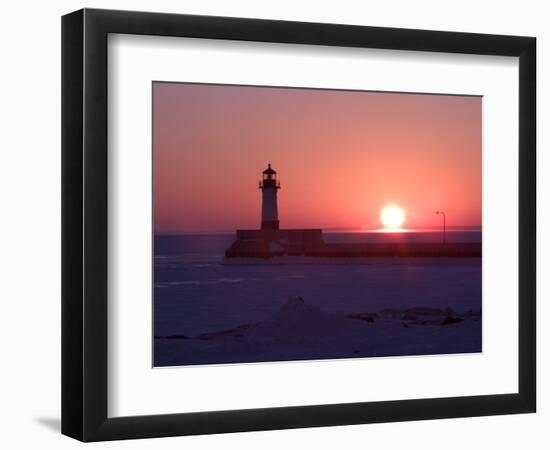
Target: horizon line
[[326, 229]]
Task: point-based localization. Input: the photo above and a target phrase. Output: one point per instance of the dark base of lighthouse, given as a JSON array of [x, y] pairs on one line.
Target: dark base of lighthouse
[[268, 243], [270, 225]]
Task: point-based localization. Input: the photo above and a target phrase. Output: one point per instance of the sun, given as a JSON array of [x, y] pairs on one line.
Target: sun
[[392, 217]]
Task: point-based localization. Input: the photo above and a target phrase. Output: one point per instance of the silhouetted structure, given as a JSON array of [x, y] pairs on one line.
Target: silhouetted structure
[[271, 241], [269, 187]]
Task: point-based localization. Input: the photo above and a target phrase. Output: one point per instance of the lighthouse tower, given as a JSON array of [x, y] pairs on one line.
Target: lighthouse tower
[[269, 187]]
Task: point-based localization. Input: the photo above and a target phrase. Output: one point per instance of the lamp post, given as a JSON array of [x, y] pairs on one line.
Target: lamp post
[[444, 224]]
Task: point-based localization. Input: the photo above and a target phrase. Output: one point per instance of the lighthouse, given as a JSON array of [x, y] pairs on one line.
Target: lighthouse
[[270, 240], [269, 186]]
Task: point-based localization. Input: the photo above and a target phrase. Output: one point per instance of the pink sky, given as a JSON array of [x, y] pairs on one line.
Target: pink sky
[[341, 156]]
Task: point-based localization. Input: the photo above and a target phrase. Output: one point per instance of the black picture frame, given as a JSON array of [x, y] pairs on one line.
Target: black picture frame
[[84, 224]]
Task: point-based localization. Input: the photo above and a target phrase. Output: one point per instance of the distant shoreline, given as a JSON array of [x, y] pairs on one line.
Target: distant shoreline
[[450, 229]]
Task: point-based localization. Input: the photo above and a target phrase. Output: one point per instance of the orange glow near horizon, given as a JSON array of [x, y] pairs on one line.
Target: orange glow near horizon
[[394, 230], [339, 156]]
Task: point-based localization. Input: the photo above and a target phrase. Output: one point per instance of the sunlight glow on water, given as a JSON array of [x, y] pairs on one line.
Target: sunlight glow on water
[[390, 230]]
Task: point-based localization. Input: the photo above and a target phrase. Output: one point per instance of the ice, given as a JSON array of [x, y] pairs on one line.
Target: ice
[[299, 330], [293, 308]]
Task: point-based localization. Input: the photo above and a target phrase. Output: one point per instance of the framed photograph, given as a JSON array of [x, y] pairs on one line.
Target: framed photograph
[[272, 224]]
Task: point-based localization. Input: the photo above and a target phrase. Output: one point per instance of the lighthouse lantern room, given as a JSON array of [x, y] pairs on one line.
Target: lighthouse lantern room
[[269, 186]]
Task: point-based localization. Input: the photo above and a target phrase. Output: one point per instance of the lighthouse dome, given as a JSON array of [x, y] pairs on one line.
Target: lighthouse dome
[[269, 170]]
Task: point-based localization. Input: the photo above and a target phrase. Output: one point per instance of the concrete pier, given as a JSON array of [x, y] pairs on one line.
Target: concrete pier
[[310, 242]]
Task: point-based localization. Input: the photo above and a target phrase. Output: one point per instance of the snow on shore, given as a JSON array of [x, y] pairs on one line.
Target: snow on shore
[[299, 330]]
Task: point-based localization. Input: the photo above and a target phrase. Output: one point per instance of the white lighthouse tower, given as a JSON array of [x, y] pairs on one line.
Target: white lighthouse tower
[[269, 187]]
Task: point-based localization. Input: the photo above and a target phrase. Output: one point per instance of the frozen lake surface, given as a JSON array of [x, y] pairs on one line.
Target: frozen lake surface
[[207, 311]]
